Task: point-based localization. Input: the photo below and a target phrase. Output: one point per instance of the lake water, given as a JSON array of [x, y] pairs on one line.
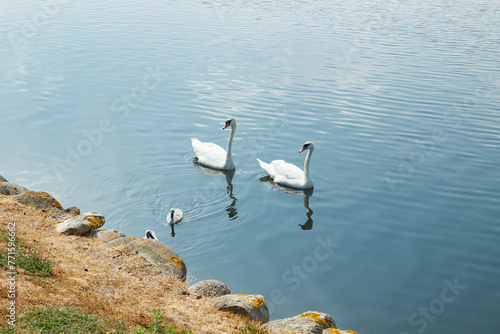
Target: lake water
[[99, 100]]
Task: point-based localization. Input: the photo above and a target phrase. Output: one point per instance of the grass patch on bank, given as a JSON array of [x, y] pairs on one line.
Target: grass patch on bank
[[5, 236], [24, 257], [252, 330], [67, 320], [158, 327], [34, 263], [63, 320]]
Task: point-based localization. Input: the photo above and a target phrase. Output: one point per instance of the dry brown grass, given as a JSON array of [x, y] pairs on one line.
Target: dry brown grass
[[94, 279]]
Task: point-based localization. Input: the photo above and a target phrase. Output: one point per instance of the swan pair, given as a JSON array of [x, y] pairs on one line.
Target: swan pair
[[214, 156]]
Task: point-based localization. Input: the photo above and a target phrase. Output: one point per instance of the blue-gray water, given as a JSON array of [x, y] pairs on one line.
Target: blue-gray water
[[99, 100]]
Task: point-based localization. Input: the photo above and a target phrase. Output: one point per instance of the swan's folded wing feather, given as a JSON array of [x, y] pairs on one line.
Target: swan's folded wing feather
[[178, 215], [268, 168], [203, 148], [287, 171], [209, 154]]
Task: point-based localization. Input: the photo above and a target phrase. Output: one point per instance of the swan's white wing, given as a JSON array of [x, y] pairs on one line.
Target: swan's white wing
[[209, 154], [287, 171], [268, 168], [178, 215], [288, 174], [284, 173]]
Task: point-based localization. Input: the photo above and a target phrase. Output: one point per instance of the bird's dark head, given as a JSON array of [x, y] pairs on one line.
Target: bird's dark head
[[150, 235]]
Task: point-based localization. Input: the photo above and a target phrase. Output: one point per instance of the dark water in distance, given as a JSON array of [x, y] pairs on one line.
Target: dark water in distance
[[99, 101]]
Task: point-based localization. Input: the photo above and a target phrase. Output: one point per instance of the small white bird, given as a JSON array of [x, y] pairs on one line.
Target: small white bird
[[290, 175], [214, 156], [174, 216], [150, 235]]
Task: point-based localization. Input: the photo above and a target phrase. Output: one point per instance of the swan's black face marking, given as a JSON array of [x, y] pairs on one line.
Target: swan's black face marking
[[305, 147], [228, 123], [172, 214], [149, 235]]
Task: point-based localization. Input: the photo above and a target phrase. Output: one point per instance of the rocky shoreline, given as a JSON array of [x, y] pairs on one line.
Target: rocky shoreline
[[71, 222]]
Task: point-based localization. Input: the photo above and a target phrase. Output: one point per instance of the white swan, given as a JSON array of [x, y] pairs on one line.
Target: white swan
[[174, 216], [290, 175], [150, 235], [214, 156]]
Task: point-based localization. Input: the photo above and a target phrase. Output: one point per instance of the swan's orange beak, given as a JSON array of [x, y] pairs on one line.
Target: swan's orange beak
[[225, 126], [303, 149]]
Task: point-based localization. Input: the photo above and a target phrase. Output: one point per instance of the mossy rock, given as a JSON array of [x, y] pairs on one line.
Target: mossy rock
[[38, 199], [82, 224], [163, 257], [252, 306], [108, 235], [209, 288], [310, 322], [2, 179]]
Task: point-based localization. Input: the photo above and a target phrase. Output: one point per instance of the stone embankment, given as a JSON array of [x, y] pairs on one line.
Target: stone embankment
[[169, 263]]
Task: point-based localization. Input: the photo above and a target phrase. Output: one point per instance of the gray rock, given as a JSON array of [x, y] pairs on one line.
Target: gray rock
[[108, 235], [82, 224], [337, 331], [209, 288], [162, 256], [66, 214], [310, 322], [9, 188], [253, 306], [2, 179], [38, 199]]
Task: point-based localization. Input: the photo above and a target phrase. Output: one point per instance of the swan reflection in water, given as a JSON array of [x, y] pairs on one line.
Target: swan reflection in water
[[291, 191], [231, 210]]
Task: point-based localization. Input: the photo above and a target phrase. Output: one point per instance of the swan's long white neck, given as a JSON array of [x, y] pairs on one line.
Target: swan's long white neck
[[307, 176], [230, 141]]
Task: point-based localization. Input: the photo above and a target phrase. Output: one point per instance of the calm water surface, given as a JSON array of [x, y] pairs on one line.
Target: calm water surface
[[99, 101]]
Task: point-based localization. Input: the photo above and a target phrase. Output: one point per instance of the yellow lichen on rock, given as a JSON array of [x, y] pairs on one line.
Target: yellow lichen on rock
[[176, 260], [317, 317], [95, 222], [131, 238], [47, 197], [336, 331], [253, 300]]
